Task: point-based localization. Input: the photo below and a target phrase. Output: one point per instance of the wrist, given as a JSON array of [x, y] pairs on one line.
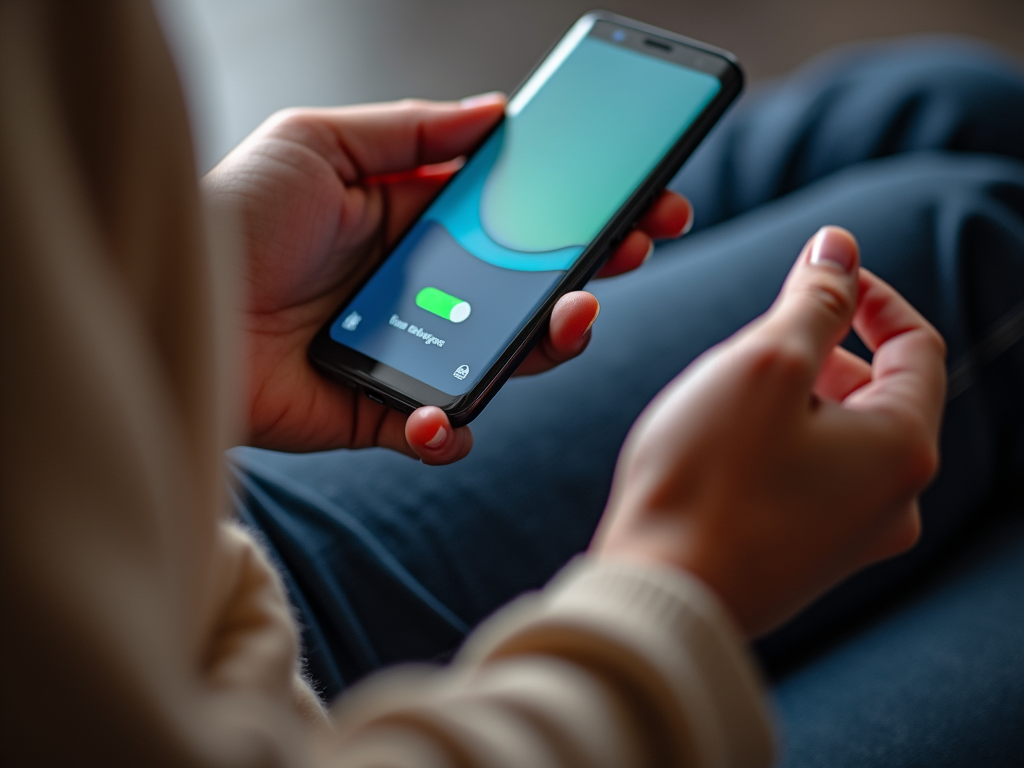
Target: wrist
[[671, 539]]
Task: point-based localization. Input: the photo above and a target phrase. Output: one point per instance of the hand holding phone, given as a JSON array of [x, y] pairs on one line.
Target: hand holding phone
[[588, 141], [312, 228]]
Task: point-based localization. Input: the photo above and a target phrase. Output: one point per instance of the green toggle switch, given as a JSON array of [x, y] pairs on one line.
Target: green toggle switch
[[443, 304]]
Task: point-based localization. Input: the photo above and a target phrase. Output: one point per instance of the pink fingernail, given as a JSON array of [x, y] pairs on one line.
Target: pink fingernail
[[833, 247], [438, 439]]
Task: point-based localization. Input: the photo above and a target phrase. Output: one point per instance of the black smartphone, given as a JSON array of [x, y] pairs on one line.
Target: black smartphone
[[589, 139]]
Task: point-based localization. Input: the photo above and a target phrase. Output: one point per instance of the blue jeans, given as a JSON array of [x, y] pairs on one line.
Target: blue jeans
[[919, 151]]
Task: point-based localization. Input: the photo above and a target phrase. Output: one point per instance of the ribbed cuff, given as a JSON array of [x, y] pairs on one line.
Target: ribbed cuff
[[664, 629]]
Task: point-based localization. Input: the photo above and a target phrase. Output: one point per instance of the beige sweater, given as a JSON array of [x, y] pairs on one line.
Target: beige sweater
[[141, 626]]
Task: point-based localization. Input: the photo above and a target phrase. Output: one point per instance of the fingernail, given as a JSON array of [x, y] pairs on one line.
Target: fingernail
[[689, 222], [650, 250], [438, 439], [833, 247], [598, 313], [481, 100]]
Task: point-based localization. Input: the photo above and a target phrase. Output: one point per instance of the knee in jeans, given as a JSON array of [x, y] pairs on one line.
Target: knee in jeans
[[930, 94]]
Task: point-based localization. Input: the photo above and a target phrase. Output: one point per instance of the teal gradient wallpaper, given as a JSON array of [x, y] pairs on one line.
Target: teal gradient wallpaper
[[561, 164]]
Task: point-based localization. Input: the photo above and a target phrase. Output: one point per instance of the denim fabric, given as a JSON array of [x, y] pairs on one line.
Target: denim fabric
[[919, 151], [936, 678]]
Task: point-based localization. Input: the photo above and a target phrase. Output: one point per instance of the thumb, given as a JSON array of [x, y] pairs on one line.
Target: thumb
[[434, 440], [816, 306]]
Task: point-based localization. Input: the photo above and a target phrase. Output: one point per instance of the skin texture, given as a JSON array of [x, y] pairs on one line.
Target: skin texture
[[322, 193], [777, 464]]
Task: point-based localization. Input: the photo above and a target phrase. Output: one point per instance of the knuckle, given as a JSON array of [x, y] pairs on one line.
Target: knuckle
[[917, 456], [909, 533], [935, 339], [906, 533], [831, 296], [784, 360], [291, 122], [287, 116], [924, 464], [412, 104]]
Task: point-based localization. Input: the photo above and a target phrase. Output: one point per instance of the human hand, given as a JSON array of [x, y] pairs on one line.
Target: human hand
[[322, 194], [778, 463]]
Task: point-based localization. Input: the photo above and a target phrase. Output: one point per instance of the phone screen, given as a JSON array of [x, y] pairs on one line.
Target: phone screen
[[578, 139]]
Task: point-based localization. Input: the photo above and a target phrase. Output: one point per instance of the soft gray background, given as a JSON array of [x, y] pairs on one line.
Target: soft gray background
[[243, 59]]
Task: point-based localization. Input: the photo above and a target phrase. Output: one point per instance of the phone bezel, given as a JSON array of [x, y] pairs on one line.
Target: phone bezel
[[405, 393]]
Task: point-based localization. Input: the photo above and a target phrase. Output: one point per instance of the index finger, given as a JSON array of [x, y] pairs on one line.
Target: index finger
[[908, 370]]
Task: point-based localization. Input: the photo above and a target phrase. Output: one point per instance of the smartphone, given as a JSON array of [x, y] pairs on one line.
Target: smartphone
[[588, 141]]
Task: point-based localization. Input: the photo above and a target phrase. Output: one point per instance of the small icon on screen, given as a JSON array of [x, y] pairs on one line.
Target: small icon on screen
[[461, 372], [351, 322]]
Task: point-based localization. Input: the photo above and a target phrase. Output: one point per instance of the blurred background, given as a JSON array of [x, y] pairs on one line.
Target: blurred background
[[243, 59]]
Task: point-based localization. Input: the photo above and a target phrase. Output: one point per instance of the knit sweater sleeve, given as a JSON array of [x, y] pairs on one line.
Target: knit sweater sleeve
[[611, 665]]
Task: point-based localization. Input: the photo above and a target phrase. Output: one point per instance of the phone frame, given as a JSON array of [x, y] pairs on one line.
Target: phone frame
[[391, 387]]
